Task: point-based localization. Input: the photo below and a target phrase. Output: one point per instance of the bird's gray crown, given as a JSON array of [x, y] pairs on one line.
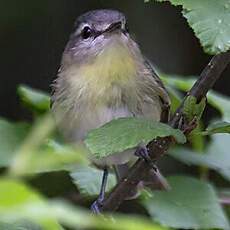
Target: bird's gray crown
[[96, 17]]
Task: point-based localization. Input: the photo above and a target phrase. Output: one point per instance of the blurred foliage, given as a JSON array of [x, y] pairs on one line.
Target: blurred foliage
[[29, 150], [24, 208], [11, 136], [18, 203], [33, 149], [216, 155], [217, 127], [190, 204], [35, 100]]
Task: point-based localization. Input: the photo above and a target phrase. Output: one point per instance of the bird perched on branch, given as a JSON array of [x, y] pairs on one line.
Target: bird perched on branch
[[103, 76]]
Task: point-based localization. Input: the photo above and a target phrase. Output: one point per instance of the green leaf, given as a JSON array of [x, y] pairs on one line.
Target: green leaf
[[192, 109], [11, 136], [221, 103], [126, 133], [88, 180], [21, 225], [22, 206], [209, 20], [217, 127], [197, 141], [190, 204], [216, 156], [38, 152], [34, 99], [175, 97], [39, 133], [54, 156], [178, 82], [10, 226], [76, 218], [19, 203]]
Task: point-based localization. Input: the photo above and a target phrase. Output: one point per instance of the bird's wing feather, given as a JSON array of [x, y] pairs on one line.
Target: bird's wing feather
[[163, 94]]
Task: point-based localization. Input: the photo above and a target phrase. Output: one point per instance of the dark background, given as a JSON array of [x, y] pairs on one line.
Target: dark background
[[33, 35]]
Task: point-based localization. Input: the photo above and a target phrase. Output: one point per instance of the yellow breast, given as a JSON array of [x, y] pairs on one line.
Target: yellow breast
[[112, 71]]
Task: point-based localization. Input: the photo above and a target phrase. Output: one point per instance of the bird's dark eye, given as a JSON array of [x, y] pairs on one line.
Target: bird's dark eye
[[86, 32]]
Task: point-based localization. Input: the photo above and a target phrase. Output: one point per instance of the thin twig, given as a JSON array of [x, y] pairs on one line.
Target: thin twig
[[158, 147]]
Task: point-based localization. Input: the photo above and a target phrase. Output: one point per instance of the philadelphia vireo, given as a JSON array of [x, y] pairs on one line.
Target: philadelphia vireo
[[103, 76]]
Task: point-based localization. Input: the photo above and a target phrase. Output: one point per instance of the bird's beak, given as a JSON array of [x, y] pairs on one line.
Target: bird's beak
[[113, 27]]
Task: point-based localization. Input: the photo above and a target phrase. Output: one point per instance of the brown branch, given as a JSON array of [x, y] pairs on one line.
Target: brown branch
[[158, 147]]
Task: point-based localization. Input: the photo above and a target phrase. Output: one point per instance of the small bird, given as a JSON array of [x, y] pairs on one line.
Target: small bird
[[104, 76]]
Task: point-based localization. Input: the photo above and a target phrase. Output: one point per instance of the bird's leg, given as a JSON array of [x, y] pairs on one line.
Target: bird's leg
[[142, 152], [97, 204]]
